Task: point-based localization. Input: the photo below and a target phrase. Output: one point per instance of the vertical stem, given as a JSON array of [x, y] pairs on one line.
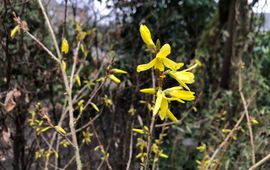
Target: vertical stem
[[149, 142], [68, 90]]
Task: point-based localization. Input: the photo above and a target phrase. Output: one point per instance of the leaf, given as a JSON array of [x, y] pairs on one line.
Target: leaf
[[61, 130], [6, 135]]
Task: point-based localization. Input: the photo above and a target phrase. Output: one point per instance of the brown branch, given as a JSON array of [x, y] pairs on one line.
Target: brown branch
[[68, 91], [130, 147], [229, 136], [259, 163], [101, 146]]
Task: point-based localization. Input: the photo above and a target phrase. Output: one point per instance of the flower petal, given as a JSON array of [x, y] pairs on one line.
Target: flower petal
[[164, 51], [148, 90], [183, 77], [171, 116], [159, 65], [114, 79], [171, 64], [147, 66], [163, 108], [64, 46], [146, 36], [186, 77], [118, 71], [182, 94], [158, 102]]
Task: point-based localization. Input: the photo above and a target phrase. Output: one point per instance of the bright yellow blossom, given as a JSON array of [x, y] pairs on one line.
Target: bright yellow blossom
[[64, 46], [14, 31], [161, 61], [148, 90], [87, 136], [184, 77], [177, 93], [201, 148], [118, 71], [114, 79], [161, 105], [140, 131], [171, 94], [146, 36]]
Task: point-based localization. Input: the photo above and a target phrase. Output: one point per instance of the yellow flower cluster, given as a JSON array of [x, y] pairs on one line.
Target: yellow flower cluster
[[180, 93]]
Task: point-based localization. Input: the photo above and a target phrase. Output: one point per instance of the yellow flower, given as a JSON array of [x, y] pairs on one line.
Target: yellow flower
[[14, 31], [226, 130], [163, 97], [148, 90], [118, 71], [184, 77], [78, 80], [201, 148], [161, 61], [140, 131], [64, 46], [114, 79], [254, 121], [87, 136], [161, 105], [146, 36], [177, 93]]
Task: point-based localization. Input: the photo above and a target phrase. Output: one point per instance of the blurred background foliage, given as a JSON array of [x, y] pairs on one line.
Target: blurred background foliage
[[206, 30]]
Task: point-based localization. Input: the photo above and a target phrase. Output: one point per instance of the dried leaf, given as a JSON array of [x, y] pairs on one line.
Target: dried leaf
[[6, 135], [10, 104]]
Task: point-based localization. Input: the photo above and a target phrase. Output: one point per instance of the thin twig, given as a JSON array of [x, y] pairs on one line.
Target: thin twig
[[94, 92], [50, 29], [106, 159], [249, 128], [229, 136], [130, 147], [153, 119], [75, 57], [259, 163], [240, 66], [68, 90], [43, 46]]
